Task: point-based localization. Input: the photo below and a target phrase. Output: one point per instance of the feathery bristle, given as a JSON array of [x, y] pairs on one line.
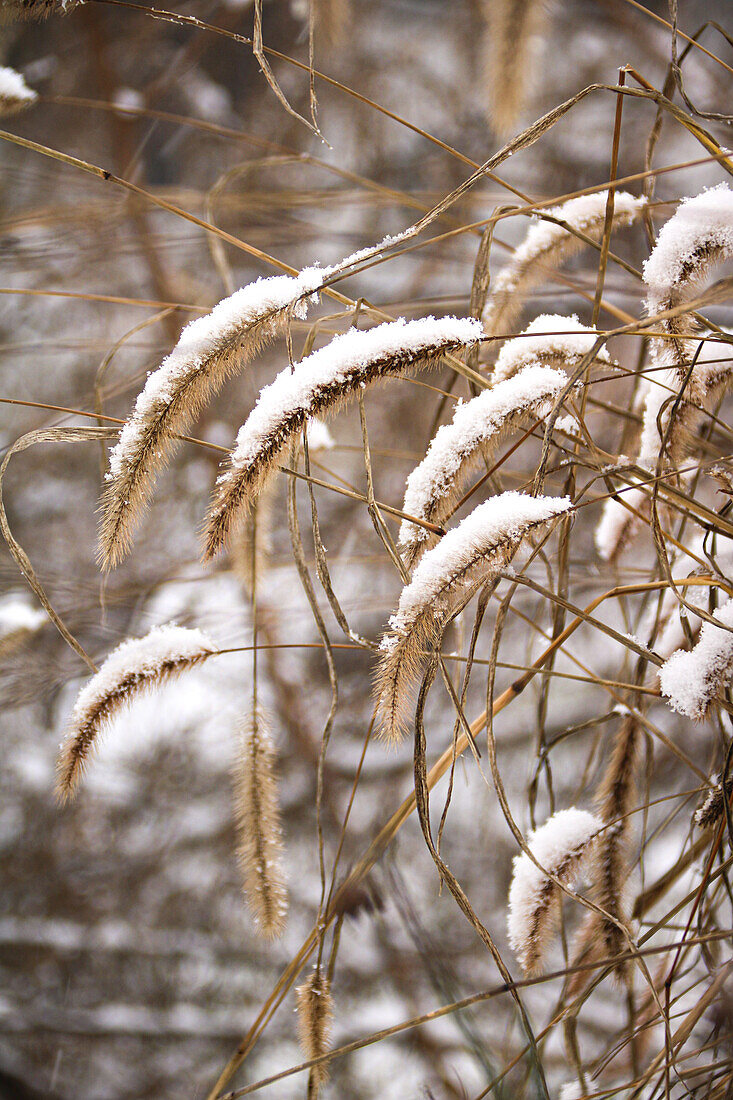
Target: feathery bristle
[[435, 485], [564, 847], [321, 384], [545, 247], [210, 350], [259, 843], [470, 555], [315, 1020], [135, 666], [711, 809], [514, 37]]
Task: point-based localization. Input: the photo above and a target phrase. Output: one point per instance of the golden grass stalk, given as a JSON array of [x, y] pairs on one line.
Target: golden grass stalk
[[314, 1005], [514, 33], [259, 832], [468, 556], [563, 847], [546, 246], [135, 666], [435, 486], [319, 385], [210, 350]]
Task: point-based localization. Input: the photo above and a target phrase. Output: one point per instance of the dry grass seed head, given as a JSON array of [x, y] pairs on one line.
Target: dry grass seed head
[[210, 350], [320, 385], [314, 1005], [21, 10], [135, 666], [513, 40], [259, 831]]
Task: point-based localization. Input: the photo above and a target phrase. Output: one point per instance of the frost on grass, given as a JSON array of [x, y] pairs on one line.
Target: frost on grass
[[564, 847], [319, 385], [434, 486], [259, 832], [15, 94], [691, 680], [134, 666], [545, 247], [210, 350], [471, 554], [552, 340]]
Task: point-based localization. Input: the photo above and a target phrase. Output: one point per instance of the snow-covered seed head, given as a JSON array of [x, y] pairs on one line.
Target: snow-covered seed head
[[478, 425], [468, 556], [210, 350], [551, 340], [546, 246], [697, 236], [692, 679], [135, 666], [15, 95], [314, 1005], [320, 385], [259, 832], [564, 847]]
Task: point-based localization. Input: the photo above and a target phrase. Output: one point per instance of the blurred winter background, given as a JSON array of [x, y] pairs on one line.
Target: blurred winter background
[[128, 964]]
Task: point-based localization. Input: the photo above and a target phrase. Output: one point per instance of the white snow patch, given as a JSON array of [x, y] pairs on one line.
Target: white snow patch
[[692, 679], [14, 92]]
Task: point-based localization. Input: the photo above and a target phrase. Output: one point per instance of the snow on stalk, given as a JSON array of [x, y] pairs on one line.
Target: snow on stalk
[[469, 555], [545, 247], [692, 679], [564, 847], [15, 95], [209, 351], [478, 425], [259, 832], [321, 384], [136, 665], [551, 340]]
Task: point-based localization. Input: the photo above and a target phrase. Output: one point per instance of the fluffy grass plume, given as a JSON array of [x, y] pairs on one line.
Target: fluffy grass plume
[[469, 555], [546, 246], [435, 485], [564, 847], [15, 95], [711, 809], [314, 1005], [135, 666], [514, 34], [319, 385], [692, 679], [259, 833], [210, 350]]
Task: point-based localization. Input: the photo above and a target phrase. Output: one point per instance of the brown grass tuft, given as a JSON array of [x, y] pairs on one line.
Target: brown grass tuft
[[315, 1020]]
